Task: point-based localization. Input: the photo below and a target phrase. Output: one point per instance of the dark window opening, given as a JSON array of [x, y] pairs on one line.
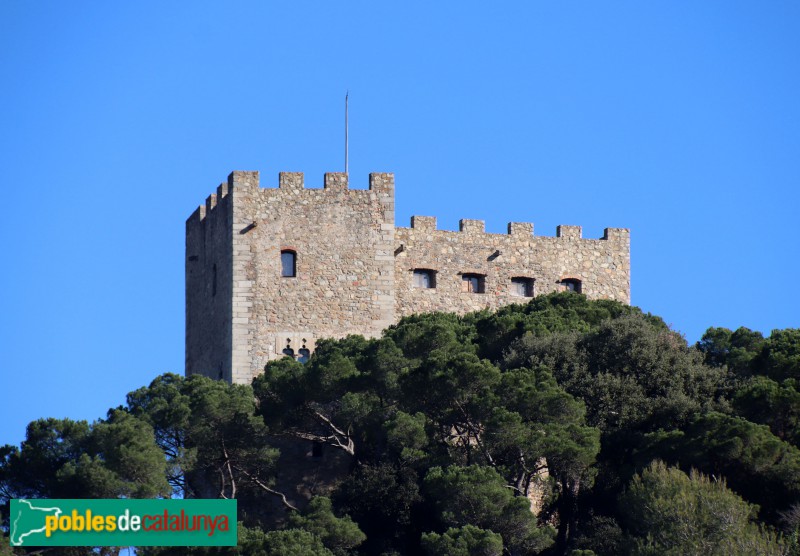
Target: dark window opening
[[316, 449], [424, 278], [288, 351], [522, 287], [303, 354], [288, 264], [472, 283], [571, 285]]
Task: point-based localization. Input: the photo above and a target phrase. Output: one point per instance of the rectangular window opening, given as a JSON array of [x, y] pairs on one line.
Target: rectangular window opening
[[424, 278], [473, 283], [572, 285], [288, 264], [522, 287]]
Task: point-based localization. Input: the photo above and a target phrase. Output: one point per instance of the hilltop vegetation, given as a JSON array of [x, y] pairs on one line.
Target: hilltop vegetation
[[564, 426]]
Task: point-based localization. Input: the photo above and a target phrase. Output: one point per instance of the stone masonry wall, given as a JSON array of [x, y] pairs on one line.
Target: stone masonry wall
[[602, 266], [345, 269], [354, 268], [209, 287]]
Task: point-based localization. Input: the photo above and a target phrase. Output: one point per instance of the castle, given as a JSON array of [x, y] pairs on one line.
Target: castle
[[271, 270]]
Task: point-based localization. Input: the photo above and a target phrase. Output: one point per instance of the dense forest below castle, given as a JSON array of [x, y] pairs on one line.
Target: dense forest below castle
[[564, 426]]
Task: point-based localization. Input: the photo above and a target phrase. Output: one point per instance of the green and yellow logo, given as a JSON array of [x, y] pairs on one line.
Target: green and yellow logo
[[123, 522]]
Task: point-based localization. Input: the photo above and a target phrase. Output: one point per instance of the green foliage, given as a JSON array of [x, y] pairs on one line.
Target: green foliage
[[548, 314], [214, 443], [406, 437], [780, 357], [762, 400], [339, 534], [463, 541], [449, 381], [126, 447], [630, 372], [449, 428], [61, 458], [478, 495], [755, 462], [518, 423], [419, 397], [253, 542], [736, 349], [381, 499], [166, 407], [418, 335], [746, 352], [340, 398], [551, 423], [670, 513], [601, 535], [293, 542]]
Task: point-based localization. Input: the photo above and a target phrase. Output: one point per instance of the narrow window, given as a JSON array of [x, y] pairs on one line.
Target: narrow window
[[316, 449], [571, 285], [303, 355], [288, 264], [214, 281], [522, 287], [424, 278], [288, 351], [472, 283]]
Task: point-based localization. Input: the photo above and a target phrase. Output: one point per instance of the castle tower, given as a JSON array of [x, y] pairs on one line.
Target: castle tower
[[268, 271], [271, 270]]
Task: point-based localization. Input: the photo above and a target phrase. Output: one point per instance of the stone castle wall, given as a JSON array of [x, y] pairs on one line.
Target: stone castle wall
[[343, 239], [355, 270], [209, 287], [602, 266]]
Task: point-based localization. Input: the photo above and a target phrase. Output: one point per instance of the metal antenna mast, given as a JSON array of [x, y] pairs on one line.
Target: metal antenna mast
[[345, 132]]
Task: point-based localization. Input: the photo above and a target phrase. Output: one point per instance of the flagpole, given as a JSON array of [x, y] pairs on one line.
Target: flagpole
[[345, 133]]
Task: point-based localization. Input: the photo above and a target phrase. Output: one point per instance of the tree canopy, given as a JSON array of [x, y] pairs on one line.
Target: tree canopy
[[564, 426]]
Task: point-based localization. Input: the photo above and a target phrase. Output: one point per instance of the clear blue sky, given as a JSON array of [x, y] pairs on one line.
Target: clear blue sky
[[679, 120]]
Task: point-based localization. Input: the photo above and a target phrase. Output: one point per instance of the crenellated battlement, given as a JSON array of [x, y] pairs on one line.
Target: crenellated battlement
[[292, 183], [519, 229], [269, 270], [295, 181]]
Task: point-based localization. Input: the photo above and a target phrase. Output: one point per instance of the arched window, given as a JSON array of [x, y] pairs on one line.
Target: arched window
[[288, 263], [424, 278], [522, 287], [571, 285], [472, 283], [288, 351]]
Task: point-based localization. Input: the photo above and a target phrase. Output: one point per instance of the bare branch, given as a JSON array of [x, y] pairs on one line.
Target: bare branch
[[336, 439], [257, 481], [230, 471], [222, 484]]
